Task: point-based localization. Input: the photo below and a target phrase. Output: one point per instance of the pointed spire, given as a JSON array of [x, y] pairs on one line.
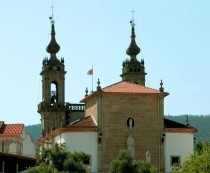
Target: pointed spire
[[133, 70], [53, 46], [133, 49]]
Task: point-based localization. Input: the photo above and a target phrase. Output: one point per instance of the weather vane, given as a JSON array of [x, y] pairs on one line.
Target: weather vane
[[52, 17], [132, 21]]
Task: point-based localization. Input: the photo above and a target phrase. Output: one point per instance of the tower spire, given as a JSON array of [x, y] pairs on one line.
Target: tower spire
[[133, 49], [133, 70], [52, 108], [53, 47]]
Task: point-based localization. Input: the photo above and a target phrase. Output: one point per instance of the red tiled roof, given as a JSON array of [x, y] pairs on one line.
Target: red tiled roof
[[175, 126], [87, 122], [12, 129], [128, 87]]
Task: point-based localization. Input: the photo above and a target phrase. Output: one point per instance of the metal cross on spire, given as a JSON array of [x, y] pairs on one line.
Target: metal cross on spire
[[52, 17], [132, 21]]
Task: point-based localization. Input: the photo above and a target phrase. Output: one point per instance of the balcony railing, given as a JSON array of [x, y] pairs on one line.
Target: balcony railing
[[67, 106], [75, 107]]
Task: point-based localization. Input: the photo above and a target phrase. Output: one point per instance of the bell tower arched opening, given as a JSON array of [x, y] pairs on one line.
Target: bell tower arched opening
[[54, 92]]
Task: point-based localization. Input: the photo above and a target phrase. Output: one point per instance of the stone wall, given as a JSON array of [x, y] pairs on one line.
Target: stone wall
[[146, 132]]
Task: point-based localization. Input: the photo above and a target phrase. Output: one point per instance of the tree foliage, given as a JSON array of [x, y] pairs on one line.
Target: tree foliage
[[43, 168], [58, 159], [199, 161], [75, 162], [124, 163]]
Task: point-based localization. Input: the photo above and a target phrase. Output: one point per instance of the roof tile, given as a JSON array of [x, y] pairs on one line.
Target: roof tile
[[87, 122], [128, 87], [169, 124], [124, 87], [12, 129]]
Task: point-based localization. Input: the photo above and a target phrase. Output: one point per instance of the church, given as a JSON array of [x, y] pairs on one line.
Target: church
[[125, 115]]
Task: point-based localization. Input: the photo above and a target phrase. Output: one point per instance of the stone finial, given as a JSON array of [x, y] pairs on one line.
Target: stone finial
[[62, 60], [86, 92], [161, 89], [98, 87], [142, 62]]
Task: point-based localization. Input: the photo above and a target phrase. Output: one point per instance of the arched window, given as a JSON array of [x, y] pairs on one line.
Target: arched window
[[54, 93]]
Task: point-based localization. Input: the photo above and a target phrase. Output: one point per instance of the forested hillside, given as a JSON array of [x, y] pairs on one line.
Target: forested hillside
[[34, 131], [200, 122]]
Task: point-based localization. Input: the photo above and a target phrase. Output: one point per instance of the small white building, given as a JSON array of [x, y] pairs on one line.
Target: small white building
[[17, 150], [79, 136], [178, 143], [15, 140]]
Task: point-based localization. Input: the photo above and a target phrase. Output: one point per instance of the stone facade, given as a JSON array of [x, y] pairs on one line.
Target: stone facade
[[112, 112]]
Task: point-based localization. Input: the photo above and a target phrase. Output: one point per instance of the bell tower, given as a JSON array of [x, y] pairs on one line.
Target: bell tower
[[133, 70], [52, 107]]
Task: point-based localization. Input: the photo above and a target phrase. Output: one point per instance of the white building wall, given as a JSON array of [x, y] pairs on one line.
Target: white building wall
[[29, 148], [81, 141], [21, 145], [13, 148], [177, 144]]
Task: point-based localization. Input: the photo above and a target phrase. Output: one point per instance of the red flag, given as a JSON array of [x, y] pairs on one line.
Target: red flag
[[90, 72]]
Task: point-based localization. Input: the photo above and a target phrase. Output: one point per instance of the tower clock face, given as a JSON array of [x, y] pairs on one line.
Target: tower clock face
[[54, 68]]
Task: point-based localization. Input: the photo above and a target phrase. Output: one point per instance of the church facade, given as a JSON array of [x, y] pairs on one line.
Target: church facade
[[128, 115], [125, 115]]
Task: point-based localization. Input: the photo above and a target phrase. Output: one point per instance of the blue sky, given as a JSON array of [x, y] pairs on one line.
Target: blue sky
[[174, 37]]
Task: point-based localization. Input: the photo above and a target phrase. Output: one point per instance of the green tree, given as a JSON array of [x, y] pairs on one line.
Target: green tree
[[43, 168], [199, 161], [176, 168], [124, 163], [75, 162], [58, 156], [58, 159]]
